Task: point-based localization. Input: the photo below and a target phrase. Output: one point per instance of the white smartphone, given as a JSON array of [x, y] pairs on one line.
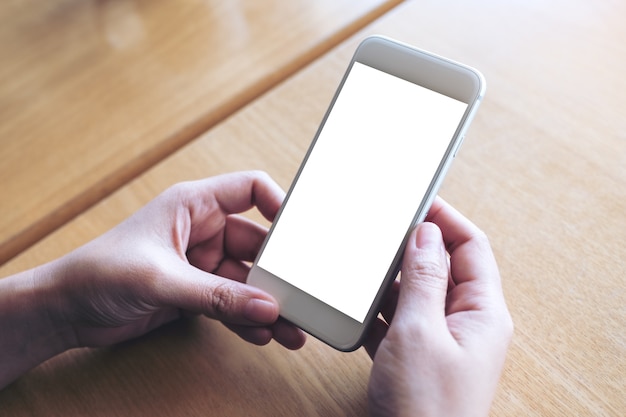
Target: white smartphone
[[370, 175]]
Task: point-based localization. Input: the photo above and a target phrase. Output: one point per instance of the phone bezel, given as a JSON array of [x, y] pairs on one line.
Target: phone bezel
[[417, 66]]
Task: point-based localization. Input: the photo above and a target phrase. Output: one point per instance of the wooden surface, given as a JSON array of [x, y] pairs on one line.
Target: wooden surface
[[92, 93], [542, 171]]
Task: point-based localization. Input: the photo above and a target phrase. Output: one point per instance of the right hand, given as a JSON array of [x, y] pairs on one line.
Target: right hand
[[442, 345]]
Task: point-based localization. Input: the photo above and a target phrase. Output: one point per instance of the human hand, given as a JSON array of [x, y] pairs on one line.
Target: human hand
[[186, 252], [442, 345]]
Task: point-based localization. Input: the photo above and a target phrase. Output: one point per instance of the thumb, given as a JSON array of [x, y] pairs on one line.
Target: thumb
[[220, 298], [424, 279]]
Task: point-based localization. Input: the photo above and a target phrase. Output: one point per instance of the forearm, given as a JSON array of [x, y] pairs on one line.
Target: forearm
[[30, 332]]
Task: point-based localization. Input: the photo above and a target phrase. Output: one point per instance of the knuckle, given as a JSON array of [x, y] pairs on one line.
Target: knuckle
[[220, 300], [481, 240], [177, 190], [428, 268], [174, 196]]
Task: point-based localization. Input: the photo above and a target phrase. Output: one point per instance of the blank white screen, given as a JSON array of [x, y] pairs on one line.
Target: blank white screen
[[360, 188]]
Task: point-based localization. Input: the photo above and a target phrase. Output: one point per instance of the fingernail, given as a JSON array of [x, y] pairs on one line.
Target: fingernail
[[428, 235], [261, 311]]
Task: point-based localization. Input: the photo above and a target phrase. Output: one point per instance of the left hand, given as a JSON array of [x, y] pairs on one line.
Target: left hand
[[187, 251]]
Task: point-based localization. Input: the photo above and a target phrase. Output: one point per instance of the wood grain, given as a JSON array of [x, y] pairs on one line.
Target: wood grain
[[542, 171], [92, 93]]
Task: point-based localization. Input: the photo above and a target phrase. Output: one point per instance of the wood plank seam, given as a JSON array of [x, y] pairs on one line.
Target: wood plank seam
[[82, 202]]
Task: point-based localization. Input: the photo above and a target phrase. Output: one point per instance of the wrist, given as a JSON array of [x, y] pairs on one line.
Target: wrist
[[30, 321]]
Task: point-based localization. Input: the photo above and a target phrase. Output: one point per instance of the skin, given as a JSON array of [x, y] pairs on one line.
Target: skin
[[186, 252], [442, 344], [438, 349]]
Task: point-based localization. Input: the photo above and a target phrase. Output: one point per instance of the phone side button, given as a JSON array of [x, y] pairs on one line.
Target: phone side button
[[458, 146]]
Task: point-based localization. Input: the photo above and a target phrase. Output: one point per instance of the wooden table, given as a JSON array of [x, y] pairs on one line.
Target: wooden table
[[94, 93], [542, 171]]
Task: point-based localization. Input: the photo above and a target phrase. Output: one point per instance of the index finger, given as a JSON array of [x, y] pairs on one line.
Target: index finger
[[471, 256], [240, 191], [199, 208], [456, 228]]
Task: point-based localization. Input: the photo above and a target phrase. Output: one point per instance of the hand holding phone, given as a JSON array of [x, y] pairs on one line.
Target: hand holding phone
[[370, 175], [440, 344]]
